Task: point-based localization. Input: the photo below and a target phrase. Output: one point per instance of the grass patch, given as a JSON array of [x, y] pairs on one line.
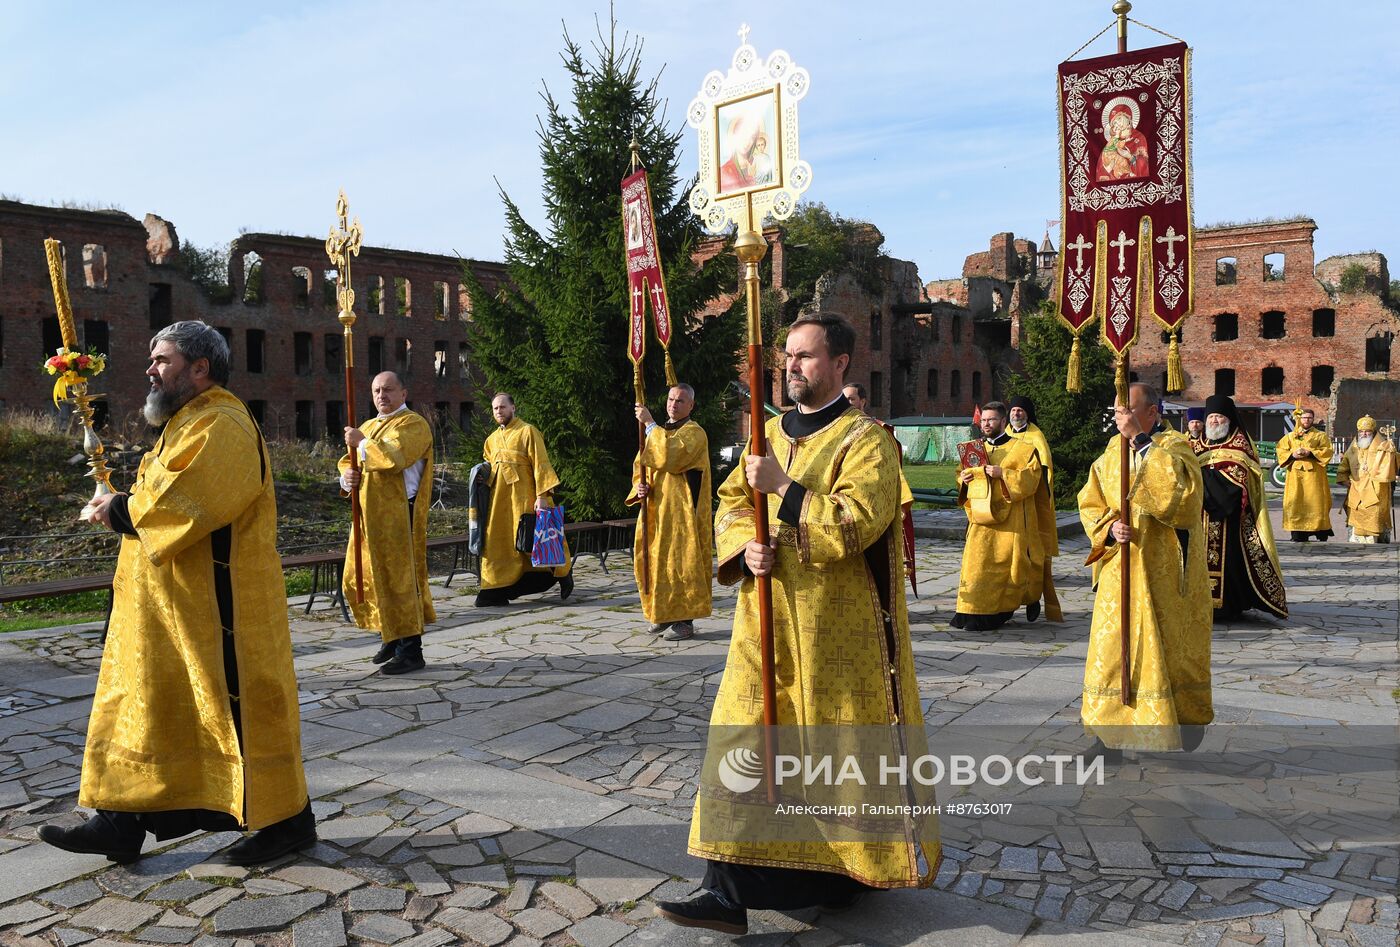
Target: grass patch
[[48, 620], [52, 610], [931, 476]]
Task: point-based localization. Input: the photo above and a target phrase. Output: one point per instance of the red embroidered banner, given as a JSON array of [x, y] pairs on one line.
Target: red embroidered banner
[[644, 280], [1125, 174]]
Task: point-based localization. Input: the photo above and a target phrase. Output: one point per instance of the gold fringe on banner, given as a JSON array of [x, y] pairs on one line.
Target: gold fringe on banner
[[1072, 381], [670, 370], [1176, 382]]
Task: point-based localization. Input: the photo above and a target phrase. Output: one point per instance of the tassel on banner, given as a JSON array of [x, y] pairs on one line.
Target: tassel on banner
[[1176, 382], [637, 387], [1072, 382], [670, 370]]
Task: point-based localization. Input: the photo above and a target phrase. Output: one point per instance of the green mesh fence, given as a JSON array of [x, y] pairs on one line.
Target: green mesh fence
[[933, 444]]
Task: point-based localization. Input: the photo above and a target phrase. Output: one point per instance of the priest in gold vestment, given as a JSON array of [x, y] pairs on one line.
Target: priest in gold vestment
[[675, 538], [395, 481], [1170, 608], [194, 724], [1024, 428], [856, 394], [1307, 497], [1367, 471], [1003, 561], [843, 657], [522, 481]]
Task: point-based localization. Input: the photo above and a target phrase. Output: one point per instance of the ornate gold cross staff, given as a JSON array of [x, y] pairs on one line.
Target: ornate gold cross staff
[[341, 245]]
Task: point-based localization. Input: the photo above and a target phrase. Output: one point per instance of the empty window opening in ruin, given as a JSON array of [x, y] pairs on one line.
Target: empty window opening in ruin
[[301, 348], [440, 361], [877, 389], [1273, 267], [1378, 352], [1271, 380], [1225, 271], [376, 355], [977, 386], [227, 333], [957, 329], [932, 386], [464, 415], [403, 297], [305, 420], [255, 340], [94, 266], [97, 335], [1272, 325], [374, 297], [335, 420], [1324, 323], [955, 384], [403, 357], [877, 330], [335, 352], [258, 409], [328, 287], [301, 286], [1227, 327], [442, 303], [1225, 382], [252, 279], [464, 352], [1322, 376], [160, 306], [464, 303], [51, 336], [1167, 336]]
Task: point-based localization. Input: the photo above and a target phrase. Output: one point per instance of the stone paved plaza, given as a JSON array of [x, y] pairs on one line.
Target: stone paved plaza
[[534, 784]]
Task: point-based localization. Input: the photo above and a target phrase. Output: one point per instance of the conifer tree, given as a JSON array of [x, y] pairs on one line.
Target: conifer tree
[[555, 337], [1070, 420]]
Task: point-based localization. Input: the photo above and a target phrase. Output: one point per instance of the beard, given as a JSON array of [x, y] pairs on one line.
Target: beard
[[802, 391], [1217, 432], [1018, 428], [1364, 440], [164, 401]]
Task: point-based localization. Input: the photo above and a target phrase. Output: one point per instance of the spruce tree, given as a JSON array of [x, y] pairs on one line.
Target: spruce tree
[[1070, 420], [555, 336]]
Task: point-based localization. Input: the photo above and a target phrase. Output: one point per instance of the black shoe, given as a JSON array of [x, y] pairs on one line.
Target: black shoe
[[116, 835], [566, 586], [705, 911], [386, 651], [1191, 736], [1110, 756], [408, 657], [490, 598], [276, 840], [845, 903], [1033, 611]]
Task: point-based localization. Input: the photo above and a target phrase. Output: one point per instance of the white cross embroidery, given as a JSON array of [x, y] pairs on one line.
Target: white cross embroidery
[[1079, 246], [1171, 240], [1122, 243]]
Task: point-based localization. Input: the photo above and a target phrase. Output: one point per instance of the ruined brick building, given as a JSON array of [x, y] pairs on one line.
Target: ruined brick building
[[1271, 326], [1268, 325], [126, 280]]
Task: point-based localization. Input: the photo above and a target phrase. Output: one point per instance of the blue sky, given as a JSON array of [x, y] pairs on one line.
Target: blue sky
[[935, 120]]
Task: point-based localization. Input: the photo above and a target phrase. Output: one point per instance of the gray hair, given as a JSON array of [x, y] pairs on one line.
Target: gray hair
[[194, 340], [689, 391]]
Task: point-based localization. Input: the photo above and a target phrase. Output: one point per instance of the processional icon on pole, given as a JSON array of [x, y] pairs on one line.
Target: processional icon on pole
[[749, 170]]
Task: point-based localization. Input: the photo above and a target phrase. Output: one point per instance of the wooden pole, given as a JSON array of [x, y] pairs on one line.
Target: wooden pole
[[1125, 587], [750, 248], [643, 557]]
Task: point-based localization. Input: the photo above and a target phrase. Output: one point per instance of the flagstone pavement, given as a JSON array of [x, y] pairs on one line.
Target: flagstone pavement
[[534, 784]]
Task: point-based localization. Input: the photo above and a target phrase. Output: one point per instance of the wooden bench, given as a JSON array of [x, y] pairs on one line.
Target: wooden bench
[[33, 590]]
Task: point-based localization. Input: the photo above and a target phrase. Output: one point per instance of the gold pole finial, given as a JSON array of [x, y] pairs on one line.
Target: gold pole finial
[[636, 147], [1121, 8]]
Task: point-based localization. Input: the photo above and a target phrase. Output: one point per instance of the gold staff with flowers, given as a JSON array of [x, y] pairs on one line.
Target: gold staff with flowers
[[73, 369]]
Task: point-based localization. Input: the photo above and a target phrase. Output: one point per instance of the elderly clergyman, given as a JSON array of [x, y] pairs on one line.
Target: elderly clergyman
[[194, 724], [395, 481], [1367, 471]]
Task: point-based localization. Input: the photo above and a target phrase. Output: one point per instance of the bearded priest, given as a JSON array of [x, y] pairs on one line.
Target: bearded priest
[[1368, 472], [1307, 498], [1003, 561], [1241, 560]]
